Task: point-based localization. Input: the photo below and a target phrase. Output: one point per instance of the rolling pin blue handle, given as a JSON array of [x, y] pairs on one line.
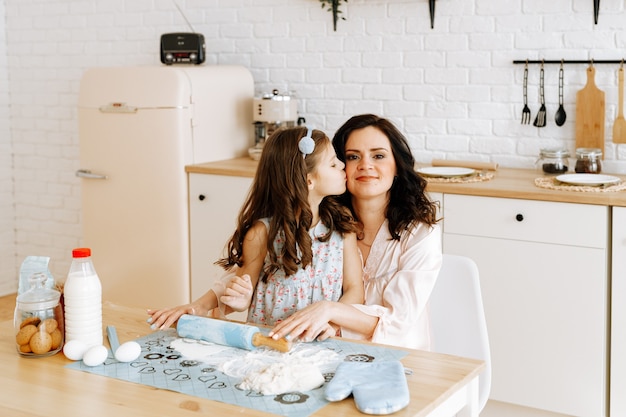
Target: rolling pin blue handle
[[221, 332], [112, 336]]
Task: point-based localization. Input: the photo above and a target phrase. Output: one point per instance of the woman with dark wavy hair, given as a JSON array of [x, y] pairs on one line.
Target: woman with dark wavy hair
[[399, 241]]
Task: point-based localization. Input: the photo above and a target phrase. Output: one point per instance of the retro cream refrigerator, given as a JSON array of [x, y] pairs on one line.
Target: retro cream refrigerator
[[138, 129]]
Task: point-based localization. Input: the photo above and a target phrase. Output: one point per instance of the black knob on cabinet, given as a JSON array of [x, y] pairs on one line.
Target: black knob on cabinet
[[201, 197], [519, 217]]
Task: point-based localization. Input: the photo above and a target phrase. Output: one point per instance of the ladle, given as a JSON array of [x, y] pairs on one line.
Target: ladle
[[560, 115]]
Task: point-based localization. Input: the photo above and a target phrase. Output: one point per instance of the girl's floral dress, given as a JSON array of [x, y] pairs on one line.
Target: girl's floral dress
[[280, 296]]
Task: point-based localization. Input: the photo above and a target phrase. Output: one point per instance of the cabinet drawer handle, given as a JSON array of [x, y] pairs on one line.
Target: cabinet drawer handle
[[85, 173], [201, 197], [519, 217]]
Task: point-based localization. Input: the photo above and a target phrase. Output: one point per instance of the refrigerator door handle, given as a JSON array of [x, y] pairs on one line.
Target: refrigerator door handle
[[85, 173], [118, 108]]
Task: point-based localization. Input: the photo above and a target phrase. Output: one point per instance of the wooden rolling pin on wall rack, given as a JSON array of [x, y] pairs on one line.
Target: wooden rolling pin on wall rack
[[590, 104]]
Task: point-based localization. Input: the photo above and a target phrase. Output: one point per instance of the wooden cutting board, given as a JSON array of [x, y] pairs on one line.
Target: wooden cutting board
[[590, 115]]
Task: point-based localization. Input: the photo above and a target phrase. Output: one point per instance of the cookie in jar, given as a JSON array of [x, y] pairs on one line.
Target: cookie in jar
[[38, 319]]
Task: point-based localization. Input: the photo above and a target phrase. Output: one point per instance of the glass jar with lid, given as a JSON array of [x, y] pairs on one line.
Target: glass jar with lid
[[588, 161], [38, 319], [553, 161]]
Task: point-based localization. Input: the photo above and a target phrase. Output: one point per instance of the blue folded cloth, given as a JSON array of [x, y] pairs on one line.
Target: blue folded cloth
[[377, 387]]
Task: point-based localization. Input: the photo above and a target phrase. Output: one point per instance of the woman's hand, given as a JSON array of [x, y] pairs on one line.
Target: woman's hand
[[238, 293], [164, 318], [308, 324]]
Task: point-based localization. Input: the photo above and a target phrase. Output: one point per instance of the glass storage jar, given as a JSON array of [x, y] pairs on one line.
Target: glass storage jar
[[553, 161], [588, 161], [38, 319]]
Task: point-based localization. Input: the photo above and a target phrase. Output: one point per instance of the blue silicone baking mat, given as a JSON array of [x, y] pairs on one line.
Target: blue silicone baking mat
[[161, 366]]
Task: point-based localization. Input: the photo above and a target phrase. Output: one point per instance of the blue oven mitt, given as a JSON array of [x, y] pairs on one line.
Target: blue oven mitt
[[377, 387]]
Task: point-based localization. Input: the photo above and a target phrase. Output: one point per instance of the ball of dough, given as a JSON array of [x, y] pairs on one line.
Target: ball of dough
[[279, 378]]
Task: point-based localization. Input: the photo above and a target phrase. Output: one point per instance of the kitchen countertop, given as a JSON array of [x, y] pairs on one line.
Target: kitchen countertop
[[507, 183], [439, 384]]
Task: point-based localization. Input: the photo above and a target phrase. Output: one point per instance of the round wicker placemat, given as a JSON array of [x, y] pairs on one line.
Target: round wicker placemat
[[486, 176], [554, 184]]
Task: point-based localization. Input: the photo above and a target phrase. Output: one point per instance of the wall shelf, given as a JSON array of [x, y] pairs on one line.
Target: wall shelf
[[570, 61]]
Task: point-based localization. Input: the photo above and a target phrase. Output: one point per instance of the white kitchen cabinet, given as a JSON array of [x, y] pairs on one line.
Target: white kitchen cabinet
[[543, 269], [214, 204], [438, 197], [618, 313]]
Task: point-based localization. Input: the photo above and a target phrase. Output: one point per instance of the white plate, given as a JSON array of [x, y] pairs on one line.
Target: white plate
[[445, 171], [587, 179]]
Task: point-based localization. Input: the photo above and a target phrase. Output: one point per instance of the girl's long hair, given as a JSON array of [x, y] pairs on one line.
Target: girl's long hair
[[408, 202], [280, 192]]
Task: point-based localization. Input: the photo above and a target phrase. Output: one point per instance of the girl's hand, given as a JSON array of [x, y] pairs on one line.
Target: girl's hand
[[164, 318], [238, 293], [308, 324]]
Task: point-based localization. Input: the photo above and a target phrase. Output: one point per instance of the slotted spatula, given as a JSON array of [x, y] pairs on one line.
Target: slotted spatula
[[619, 127]]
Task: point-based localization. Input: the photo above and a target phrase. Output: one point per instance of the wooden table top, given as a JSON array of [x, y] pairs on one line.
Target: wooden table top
[[507, 183], [37, 387]]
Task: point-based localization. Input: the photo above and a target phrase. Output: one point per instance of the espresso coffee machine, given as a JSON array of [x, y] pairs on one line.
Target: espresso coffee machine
[[270, 112]]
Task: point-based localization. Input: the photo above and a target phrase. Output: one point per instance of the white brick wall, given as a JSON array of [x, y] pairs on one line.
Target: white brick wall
[[453, 90], [7, 213]]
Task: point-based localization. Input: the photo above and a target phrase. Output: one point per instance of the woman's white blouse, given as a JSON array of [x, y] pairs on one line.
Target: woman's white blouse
[[399, 278]]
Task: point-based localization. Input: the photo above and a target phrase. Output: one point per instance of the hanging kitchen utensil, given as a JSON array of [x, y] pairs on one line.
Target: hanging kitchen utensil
[[431, 5], [619, 127], [596, 10], [526, 110], [540, 120], [560, 116], [590, 114]]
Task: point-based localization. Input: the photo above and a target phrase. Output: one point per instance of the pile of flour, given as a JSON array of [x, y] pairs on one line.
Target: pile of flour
[[265, 370]]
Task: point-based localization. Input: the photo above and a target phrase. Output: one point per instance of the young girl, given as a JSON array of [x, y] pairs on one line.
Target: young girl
[[293, 246]]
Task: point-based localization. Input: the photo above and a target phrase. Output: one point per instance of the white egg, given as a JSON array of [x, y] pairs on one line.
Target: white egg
[[95, 355], [75, 349], [128, 352]]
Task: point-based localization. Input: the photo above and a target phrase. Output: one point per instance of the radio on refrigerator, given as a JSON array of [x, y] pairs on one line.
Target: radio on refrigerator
[[182, 48]]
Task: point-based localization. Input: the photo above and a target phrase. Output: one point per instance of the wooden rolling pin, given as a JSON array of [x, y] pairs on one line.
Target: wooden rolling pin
[[491, 166], [227, 333]]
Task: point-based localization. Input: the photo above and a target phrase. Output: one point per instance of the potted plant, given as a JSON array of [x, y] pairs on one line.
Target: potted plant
[[333, 7]]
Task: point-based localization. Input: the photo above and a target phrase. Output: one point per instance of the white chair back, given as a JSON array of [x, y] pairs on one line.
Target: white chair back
[[457, 317]]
